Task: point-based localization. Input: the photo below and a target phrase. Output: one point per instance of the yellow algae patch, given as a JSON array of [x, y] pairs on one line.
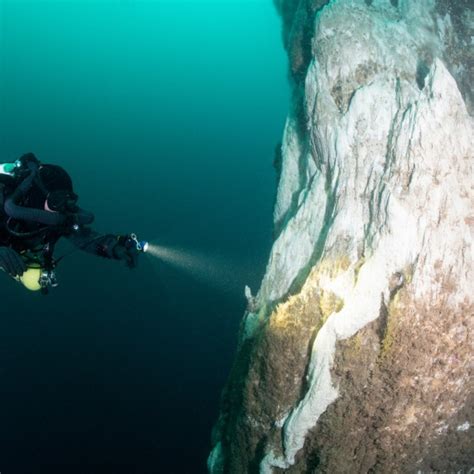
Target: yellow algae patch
[[330, 303], [357, 268], [332, 267], [408, 274], [288, 314], [393, 310], [281, 318], [313, 304]]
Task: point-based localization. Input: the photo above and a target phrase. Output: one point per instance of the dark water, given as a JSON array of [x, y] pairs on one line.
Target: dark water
[[166, 114]]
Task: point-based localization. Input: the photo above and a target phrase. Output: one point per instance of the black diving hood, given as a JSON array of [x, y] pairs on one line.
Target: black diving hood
[[48, 218]]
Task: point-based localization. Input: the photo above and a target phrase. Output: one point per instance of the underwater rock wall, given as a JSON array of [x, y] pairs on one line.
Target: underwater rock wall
[[356, 353]]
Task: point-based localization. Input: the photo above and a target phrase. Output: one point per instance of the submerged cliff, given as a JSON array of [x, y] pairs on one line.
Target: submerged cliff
[[356, 353]]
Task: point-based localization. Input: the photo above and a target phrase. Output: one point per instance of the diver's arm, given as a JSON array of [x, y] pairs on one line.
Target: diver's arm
[[11, 262], [90, 241], [104, 245]]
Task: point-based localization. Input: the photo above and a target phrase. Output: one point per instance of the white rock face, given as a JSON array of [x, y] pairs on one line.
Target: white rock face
[[420, 219], [357, 151], [383, 178]]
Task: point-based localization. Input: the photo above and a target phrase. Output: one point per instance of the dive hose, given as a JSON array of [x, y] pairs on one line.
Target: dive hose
[[15, 211]]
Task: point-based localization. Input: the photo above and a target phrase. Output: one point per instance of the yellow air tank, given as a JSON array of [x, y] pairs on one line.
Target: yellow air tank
[[31, 278]]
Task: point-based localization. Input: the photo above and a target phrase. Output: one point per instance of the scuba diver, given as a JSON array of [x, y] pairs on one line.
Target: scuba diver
[[38, 206]]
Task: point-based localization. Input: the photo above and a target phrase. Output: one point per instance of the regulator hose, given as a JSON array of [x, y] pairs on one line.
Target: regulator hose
[[15, 211]]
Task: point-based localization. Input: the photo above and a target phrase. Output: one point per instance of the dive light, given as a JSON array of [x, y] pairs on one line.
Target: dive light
[[140, 245]]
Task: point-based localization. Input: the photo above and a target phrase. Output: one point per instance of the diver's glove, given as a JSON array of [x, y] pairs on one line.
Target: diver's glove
[[126, 249], [11, 262]]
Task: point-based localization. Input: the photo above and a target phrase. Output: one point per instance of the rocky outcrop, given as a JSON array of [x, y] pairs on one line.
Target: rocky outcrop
[[356, 353]]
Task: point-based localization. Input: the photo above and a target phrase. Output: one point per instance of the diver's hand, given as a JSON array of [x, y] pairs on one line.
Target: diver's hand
[[11, 262], [126, 250]]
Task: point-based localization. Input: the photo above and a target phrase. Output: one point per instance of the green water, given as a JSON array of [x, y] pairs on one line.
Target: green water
[[166, 114]]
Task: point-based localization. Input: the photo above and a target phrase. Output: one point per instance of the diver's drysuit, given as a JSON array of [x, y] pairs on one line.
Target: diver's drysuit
[[37, 208]]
